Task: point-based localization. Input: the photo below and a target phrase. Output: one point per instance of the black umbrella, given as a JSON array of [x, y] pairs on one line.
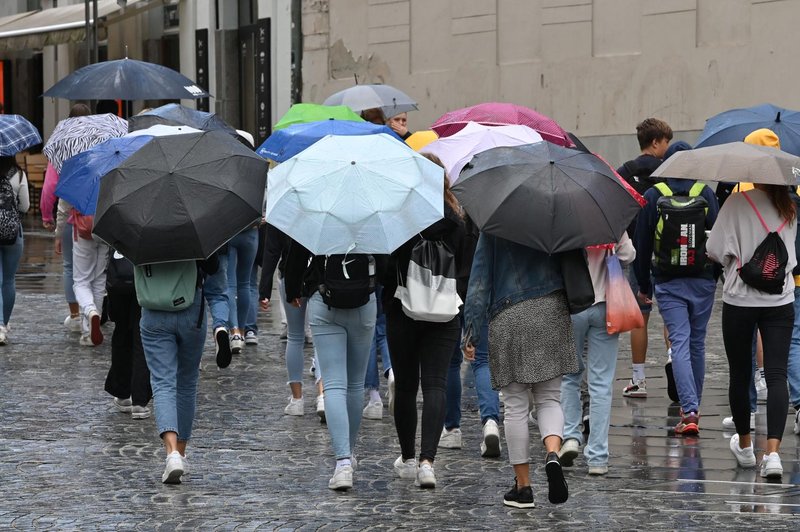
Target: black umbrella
[[546, 197], [126, 79], [180, 197], [174, 114]]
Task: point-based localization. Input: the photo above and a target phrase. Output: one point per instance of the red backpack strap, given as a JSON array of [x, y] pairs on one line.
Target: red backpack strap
[[761, 219]]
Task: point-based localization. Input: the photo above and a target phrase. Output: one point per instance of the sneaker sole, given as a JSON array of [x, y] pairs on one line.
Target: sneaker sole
[[96, 334], [251, 342], [427, 485], [174, 477], [140, 416], [772, 473], [340, 486], [635, 395], [515, 504], [689, 430], [568, 458], [223, 349], [558, 492], [491, 446], [672, 388]]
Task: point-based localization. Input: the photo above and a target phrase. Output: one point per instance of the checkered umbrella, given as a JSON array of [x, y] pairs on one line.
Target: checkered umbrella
[[75, 135], [17, 134]]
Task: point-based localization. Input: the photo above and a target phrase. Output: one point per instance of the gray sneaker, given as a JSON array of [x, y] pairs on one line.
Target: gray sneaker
[[140, 412], [123, 405], [569, 452]]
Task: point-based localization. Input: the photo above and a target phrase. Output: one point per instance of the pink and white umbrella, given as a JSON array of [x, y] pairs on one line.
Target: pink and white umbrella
[[501, 114], [457, 150]]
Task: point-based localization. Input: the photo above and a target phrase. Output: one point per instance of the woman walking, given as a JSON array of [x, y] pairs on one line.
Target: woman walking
[[743, 223], [421, 350], [14, 200], [521, 292]]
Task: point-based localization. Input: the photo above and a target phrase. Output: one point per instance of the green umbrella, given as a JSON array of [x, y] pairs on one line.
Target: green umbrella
[[301, 113]]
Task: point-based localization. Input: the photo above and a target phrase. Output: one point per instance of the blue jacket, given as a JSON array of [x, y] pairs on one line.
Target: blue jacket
[[503, 274], [644, 239]]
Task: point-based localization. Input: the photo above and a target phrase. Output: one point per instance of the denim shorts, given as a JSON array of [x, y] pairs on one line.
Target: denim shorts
[[645, 308]]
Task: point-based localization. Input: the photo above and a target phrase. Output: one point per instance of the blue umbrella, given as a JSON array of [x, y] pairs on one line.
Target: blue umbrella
[[79, 182], [17, 134], [285, 143], [736, 124], [174, 114], [125, 79]]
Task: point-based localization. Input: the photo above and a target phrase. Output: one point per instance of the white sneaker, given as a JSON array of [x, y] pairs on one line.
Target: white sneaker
[[85, 340], [73, 325], [727, 423], [251, 338], [490, 446], [637, 390], [342, 478], [569, 451], [284, 332], [745, 457], [309, 339], [185, 463], [237, 344], [373, 410], [123, 405], [390, 392], [450, 439], [761, 388], [321, 408], [295, 407], [3, 335], [425, 476], [405, 469], [140, 412], [771, 466], [174, 469], [797, 422]]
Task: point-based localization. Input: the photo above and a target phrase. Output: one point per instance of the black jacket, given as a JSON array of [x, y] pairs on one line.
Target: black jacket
[[276, 247]]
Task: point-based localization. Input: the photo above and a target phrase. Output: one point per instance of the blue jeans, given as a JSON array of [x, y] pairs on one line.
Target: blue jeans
[[601, 361], [685, 305], [173, 345], [379, 345], [488, 398], [342, 338], [66, 255], [250, 323], [216, 290], [295, 335], [241, 256], [793, 370], [9, 262]]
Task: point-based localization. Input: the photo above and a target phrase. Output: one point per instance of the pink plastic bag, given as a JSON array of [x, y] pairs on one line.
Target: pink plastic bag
[[622, 309]]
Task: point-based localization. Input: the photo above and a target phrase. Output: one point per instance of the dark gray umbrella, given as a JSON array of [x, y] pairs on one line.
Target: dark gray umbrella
[[180, 197], [546, 197], [174, 114]]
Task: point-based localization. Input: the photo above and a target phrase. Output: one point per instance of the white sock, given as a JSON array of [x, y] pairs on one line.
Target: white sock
[[761, 372], [343, 462], [374, 396], [638, 372]]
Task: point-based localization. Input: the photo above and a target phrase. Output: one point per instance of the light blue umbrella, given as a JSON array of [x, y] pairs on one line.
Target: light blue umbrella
[[79, 181], [355, 194]]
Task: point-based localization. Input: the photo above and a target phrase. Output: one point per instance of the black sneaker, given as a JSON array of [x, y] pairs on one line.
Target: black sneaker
[[519, 497], [672, 389], [223, 346], [558, 492]]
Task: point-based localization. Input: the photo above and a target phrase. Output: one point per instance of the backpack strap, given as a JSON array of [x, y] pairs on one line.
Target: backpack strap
[[696, 190], [760, 218], [663, 188]]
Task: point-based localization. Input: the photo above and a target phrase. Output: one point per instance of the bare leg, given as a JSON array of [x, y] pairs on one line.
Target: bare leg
[[639, 342], [523, 474], [170, 440], [297, 389]]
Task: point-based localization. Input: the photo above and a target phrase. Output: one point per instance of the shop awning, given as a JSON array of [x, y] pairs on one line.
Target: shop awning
[[60, 25]]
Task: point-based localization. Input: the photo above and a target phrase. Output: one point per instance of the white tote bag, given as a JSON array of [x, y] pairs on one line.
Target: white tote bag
[[430, 291]]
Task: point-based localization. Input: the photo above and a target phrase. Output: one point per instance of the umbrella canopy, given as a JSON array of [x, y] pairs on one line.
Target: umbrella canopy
[[79, 182], [300, 113], [734, 125], [174, 114], [420, 139], [357, 194], [160, 130], [17, 134], [71, 136], [456, 150], [180, 197], [390, 100], [546, 197], [126, 79], [734, 161], [290, 141], [501, 114]]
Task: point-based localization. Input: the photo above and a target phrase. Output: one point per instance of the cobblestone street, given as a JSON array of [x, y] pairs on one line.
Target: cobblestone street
[[70, 460]]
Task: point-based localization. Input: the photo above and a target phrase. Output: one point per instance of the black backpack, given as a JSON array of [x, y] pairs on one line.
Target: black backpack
[[347, 280], [766, 269], [119, 275], [680, 239], [9, 212]]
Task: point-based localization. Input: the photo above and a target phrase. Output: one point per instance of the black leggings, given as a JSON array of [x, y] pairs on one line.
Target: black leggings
[[775, 325], [128, 375], [420, 349]]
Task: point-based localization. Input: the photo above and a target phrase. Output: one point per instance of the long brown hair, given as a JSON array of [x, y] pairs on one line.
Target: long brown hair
[[449, 198], [781, 200]]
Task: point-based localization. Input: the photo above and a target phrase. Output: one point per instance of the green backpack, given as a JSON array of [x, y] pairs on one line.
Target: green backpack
[[169, 286]]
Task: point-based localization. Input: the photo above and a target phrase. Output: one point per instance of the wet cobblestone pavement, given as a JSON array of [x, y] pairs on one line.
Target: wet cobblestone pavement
[[70, 461]]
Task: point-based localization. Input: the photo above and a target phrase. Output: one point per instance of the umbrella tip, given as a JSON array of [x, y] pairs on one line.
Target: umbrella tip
[[778, 118], [352, 162], [552, 162]]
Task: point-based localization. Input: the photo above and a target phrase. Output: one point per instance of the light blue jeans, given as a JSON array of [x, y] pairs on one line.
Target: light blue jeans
[[342, 338], [9, 262], [295, 335], [379, 345], [601, 361], [488, 398], [216, 291], [173, 345], [66, 254], [241, 257], [685, 305], [793, 370]]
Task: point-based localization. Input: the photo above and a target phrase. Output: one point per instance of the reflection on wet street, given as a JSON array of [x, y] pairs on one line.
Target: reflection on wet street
[[40, 268]]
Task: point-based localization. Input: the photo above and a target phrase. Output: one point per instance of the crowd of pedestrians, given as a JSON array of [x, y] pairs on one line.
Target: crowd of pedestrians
[[529, 347]]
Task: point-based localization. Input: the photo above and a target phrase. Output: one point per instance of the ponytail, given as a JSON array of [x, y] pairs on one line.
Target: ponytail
[[781, 200]]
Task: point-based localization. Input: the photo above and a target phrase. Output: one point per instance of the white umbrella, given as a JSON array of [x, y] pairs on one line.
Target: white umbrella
[[390, 100]]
